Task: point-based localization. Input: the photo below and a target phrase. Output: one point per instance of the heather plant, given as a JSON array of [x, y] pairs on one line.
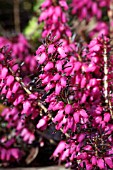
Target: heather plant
[[15, 136], [81, 96], [20, 52], [15, 132], [87, 9], [79, 103], [18, 73], [67, 83], [89, 18]]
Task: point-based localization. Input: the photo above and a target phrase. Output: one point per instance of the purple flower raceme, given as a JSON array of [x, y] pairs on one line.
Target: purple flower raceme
[[67, 96], [90, 148], [54, 16], [14, 131], [78, 101], [101, 28], [21, 51], [87, 9], [21, 103], [58, 70], [73, 90], [11, 89], [89, 15]]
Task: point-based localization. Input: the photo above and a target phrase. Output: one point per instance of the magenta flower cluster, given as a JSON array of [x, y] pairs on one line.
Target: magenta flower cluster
[[68, 86], [21, 51], [87, 9], [91, 144], [77, 103], [101, 28], [16, 129], [79, 93], [15, 132], [55, 19]]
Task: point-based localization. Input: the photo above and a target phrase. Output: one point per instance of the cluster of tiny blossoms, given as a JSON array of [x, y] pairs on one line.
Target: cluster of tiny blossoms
[[20, 51], [87, 9], [16, 64], [78, 90], [55, 17], [101, 28], [11, 91], [15, 135], [76, 95], [72, 90]]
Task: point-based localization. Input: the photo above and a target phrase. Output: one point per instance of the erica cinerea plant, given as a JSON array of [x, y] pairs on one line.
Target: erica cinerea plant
[[55, 17], [78, 94], [91, 145], [67, 83], [12, 126], [80, 100], [90, 18], [17, 66], [13, 133], [88, 9], [19, 92]]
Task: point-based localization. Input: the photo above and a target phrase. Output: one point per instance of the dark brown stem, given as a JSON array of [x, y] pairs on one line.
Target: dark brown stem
[[16, 15]]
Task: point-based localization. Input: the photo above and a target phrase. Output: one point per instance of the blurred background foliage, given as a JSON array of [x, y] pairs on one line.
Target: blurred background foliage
[[21, 16], [33, 29]]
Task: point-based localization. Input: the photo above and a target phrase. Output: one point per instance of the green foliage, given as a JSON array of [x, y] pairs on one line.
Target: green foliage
[[33, 30], [37, 5]]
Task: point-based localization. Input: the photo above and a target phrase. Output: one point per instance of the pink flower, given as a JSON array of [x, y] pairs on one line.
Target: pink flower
[[59, 65], [18, 100], [63, 81], [60, 148], [59, 116], [68, 109], [101, 163], [42, 122], [58, 89], [26, 107], [76, 117], [94, 160], [48, 66], [61, 52], [109, 161], [15, 87], [41, 59], [107, 117], [51, 49], [3, 73], [83, 113]]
